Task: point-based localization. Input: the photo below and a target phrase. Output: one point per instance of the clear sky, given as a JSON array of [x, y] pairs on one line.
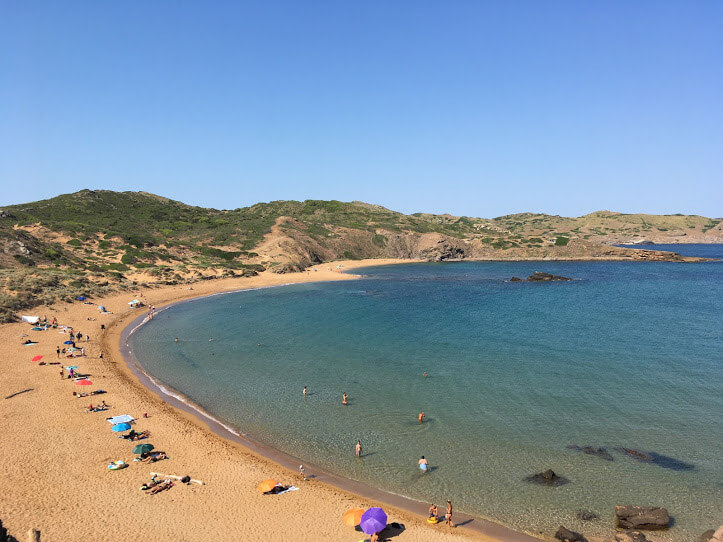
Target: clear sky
[[469, 107]]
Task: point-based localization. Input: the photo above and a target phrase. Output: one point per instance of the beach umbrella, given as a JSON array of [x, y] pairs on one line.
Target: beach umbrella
[[69, 367], [68, 342], [101, 308], [266, 485], [142, 448], [80, 298], [373, 520], [83, 382], [120, 427], [37, 358], [353, 517]]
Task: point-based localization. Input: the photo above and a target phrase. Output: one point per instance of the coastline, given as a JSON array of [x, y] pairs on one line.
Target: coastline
[[55, 471], [178, 401]]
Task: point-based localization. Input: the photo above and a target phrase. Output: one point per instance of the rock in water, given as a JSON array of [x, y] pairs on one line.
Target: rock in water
[[566, 535], [599, 451], [630, 536], [705, 537], [586, 515], [548, 478], [539, 276], [515, 279], [642, 517], [712, 536]]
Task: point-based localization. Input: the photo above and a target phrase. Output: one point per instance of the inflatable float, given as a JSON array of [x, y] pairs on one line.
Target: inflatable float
[[432, 519], [117, 465]]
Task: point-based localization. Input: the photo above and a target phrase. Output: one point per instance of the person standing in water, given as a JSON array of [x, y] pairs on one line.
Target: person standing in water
[[344, 398], [423, 464], [448, 515], [358, 448], [304, 391], [421, 417]]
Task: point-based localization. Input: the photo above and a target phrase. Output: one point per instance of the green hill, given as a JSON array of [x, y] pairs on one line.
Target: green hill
[[94, 241]]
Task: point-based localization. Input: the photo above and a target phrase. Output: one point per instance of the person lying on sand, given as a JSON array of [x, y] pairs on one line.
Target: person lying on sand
[[166, 484], [133, 435], [153, 483], [155, 456]]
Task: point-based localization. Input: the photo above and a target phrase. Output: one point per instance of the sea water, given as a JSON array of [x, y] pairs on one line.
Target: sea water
[[627, 355]]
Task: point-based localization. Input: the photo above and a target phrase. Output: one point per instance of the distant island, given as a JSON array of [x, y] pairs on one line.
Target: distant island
[[96, 241]]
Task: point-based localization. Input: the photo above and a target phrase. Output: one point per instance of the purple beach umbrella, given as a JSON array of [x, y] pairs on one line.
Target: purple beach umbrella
[[373, 520]]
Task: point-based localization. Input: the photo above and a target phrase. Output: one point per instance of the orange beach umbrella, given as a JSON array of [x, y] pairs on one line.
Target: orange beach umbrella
[[353, 517], [266, 485], [37, 358]]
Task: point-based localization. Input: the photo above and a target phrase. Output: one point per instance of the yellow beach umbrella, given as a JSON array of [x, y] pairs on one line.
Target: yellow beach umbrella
[[266, 485], [353, 517]]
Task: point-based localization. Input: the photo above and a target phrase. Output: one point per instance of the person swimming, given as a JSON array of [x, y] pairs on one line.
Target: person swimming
[[423, 464]]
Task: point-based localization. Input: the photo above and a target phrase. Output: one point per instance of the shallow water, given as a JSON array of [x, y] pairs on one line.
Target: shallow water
[[627, 355]]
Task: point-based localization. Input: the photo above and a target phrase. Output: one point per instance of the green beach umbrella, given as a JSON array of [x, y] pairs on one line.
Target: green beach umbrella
[[142, 448]]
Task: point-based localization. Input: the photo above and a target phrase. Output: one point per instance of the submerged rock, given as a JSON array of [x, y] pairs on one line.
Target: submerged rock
[[636, 454], [712, 536], [598, 451], [566, 535], [548, 478], [539, 276], [642, 517], [660, 460], [515, 279], [586, 515]]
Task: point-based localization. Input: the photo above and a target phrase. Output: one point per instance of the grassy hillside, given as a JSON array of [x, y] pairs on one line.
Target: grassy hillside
[[91, 242]]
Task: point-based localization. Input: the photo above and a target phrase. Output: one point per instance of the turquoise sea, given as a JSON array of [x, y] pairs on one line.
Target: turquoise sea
[[629, 354]]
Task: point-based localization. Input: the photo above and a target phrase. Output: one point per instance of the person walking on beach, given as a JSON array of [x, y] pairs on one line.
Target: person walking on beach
[[302, 473], [448, 515], [358, 448], [62, 374], [57, 352], [344, 398], [421, 417]]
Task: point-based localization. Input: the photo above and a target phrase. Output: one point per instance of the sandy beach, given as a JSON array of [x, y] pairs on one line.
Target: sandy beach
[[54, 454]]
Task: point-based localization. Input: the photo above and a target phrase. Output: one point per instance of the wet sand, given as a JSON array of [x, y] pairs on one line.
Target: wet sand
[[54, 455]]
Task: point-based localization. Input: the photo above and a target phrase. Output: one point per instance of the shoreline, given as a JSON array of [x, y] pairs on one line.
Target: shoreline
[[178, 401], [55, 470]]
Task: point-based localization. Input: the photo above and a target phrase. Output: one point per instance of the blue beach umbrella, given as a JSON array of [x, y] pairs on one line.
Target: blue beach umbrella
[[373, 520], [120, 427], [68, 342], [80, 298]]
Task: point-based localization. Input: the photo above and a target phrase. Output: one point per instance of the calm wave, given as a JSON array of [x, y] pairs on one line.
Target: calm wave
[[628, 355]]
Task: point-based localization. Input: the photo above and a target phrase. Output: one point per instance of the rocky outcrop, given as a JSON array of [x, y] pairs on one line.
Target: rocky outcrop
[[597, 451], [539, 276], [547, 478], [566, 535], [642, 517]]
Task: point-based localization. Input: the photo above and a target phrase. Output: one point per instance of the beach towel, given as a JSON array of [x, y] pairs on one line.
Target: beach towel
[[124, 418], [291, 488], [31, 319]]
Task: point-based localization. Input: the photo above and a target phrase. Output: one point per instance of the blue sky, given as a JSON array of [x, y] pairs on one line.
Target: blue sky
[[466, 107]]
